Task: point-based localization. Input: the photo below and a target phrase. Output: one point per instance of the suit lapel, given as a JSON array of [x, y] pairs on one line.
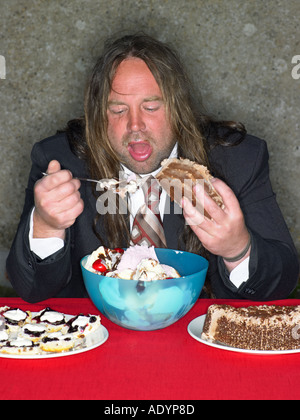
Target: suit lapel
[[173, 224]]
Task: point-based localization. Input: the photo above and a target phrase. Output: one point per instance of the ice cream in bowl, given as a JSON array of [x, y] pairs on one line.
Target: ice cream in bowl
[[143, 288]]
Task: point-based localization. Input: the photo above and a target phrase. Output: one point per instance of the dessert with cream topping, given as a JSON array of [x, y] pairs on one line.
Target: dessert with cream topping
[[33, 332], [25, 333], [57, 342], [14, 318], [20, 345], [55, 320], [138, 262], [124, 185], [254, 328]]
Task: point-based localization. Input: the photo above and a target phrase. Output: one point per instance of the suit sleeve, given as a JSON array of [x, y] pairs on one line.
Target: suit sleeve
[[274, 265], [32, 278]]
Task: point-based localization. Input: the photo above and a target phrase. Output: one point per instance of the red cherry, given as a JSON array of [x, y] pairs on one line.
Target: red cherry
[[99, 266], [120, 250]]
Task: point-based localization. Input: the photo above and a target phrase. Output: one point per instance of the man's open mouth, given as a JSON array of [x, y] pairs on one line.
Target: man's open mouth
[[140, 150]]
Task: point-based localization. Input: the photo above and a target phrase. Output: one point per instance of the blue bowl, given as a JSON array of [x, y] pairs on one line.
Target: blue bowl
[[149, 305]]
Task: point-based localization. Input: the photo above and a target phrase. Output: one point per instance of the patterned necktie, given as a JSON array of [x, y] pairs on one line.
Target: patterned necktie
[[147, 226]]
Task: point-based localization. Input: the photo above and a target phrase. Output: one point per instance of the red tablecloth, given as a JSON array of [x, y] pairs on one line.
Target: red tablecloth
[[166, 364]]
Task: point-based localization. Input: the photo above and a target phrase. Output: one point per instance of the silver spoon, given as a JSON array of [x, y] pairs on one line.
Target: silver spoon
[[80, 179]]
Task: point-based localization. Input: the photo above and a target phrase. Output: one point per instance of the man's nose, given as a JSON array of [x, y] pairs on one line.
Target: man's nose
[[135, 121]]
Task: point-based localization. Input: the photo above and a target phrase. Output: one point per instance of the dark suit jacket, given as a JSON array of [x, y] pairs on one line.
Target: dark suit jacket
[[273, 264]]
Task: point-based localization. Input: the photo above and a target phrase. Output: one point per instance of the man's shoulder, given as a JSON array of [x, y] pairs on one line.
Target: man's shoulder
[[54, 142], [234, 146], [57, 147], [236, 164]]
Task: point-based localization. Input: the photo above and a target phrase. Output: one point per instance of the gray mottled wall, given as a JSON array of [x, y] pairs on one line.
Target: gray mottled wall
[[239, 54]]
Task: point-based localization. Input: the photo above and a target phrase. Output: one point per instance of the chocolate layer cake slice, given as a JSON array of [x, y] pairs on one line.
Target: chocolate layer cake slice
[[179, 176], [254, 328]]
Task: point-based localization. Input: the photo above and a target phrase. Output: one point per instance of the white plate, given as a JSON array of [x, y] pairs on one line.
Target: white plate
[[95, 340], [195, 329]]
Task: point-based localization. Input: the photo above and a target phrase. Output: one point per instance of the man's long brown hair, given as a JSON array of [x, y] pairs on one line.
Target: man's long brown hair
[[190, 127]]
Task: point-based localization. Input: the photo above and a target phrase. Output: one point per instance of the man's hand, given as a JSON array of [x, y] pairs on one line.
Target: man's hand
[[57, 202], [226, 233]]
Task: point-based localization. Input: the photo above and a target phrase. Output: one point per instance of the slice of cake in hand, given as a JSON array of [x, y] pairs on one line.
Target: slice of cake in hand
[[262, 327], [178, 177]]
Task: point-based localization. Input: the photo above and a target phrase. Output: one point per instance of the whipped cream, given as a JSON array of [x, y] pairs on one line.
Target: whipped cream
[[123, 186], [35, 328], [21, 342], [138, 262], [81, 321], [110, 257], [15, 315], [50, 317], [149, 269], [3, 336]]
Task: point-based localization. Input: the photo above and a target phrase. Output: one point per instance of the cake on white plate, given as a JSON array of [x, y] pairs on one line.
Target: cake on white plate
[[263, 327], [24, 333]]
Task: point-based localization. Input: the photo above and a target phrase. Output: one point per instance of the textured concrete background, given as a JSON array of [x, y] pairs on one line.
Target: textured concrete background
[[238, 52]]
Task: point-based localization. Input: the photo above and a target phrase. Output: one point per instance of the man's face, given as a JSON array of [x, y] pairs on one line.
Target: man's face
[[138, 126]]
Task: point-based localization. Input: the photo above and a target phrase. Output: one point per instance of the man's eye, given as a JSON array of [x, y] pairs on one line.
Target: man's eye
[[117, 111], [151, 108]]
